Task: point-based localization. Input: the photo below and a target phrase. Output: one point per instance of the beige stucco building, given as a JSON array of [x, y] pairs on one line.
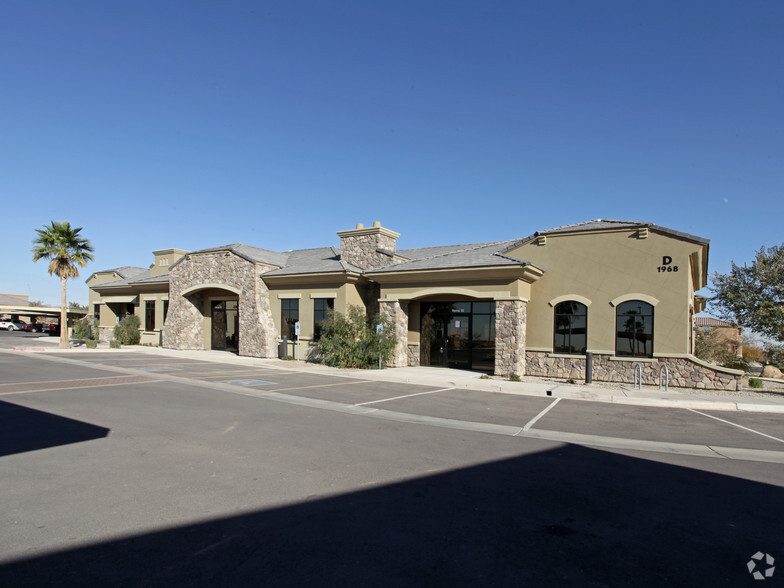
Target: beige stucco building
[[623, 291]]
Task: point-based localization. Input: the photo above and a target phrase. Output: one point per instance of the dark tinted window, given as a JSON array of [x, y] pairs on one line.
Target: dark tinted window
[[290, 316], [634, 329], [321, 307], [571, 327]]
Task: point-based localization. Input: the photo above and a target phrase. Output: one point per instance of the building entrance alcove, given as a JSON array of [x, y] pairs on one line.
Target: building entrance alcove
[[225, 315], [459, 335]]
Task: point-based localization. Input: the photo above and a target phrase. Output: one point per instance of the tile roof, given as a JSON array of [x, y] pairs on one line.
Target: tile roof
[[709, 321], [453, 256], [313, 261], [327, 259], [603, 224], [126, 271], [248, 252], [142, 275]]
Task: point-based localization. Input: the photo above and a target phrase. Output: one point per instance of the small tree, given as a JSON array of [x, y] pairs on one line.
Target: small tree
[[353, 341], [774, 354], [753, 296], [127, 330], [713, 346], [76, 306]]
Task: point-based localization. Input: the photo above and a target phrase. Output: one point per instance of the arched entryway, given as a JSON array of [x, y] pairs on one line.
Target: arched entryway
[[218, 310]]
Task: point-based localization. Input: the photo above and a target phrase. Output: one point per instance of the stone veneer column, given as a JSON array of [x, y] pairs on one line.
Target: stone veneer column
[[510, 318], [398, 315], [264, 339]]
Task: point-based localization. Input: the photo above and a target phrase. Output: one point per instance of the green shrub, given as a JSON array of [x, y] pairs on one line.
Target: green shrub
[[774, 353], [755, 383], [115, 344], [91, 343], [127, 330], [82, 326], [352, 341], [514, 378], [736, 363]]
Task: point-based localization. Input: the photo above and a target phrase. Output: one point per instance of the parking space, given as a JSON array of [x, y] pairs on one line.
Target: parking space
[[469, 405], [762, 424], [19, 368], [653, 424]]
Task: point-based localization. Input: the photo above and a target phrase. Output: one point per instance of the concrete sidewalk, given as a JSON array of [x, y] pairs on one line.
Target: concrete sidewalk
[[744, 400]]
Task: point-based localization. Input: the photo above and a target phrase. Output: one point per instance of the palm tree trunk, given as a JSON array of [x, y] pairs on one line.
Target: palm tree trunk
[[64, 344]]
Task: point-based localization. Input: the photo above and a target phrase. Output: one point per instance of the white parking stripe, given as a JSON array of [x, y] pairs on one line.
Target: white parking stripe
[[737, 425], [532, 422], [406, 396]]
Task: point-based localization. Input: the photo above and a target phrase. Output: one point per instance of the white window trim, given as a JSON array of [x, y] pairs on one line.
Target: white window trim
[[634, 296], [576, 297]]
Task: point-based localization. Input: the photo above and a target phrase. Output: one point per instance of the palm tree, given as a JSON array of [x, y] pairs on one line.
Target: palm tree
[[66, 252]]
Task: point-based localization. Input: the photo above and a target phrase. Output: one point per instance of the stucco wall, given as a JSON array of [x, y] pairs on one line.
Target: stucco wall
[[603, 266]]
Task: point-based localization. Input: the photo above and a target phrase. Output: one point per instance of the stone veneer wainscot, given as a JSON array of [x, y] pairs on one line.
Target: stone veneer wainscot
[[684, 372]]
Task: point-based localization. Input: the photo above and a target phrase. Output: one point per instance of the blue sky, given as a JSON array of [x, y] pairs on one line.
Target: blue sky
[[158, 124]]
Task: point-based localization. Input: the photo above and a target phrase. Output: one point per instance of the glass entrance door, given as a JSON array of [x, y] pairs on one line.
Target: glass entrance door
[[225, 325], [458, 342], [458, 335]]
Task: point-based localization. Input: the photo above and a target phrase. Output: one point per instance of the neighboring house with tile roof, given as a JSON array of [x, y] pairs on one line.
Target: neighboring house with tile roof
[[728, 333], [622, 290]]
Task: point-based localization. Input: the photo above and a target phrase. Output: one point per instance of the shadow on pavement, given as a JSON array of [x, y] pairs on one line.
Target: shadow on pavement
[[570, 516], [26, 429]]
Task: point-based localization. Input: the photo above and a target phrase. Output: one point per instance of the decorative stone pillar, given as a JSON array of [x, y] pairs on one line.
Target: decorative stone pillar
[[183, 326], [261, 336], [510, 318], [398, 316]]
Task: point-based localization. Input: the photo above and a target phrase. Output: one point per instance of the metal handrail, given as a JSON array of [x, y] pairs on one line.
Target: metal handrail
[[666, 371], [638, 382]]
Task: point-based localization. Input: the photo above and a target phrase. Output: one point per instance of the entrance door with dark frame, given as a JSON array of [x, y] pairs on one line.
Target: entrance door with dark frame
[[225, 325]]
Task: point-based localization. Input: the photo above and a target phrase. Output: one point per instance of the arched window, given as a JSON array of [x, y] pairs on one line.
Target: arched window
[[634, 329], [571, 327]]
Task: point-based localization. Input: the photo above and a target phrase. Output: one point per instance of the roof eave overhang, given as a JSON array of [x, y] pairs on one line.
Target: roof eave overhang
[[136, 287], [527, 273]]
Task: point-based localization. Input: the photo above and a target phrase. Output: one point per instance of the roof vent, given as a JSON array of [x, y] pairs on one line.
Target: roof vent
[[642, 233], [541, 240]]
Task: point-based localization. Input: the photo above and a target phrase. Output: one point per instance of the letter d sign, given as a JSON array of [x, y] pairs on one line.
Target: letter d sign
[[666, 260]]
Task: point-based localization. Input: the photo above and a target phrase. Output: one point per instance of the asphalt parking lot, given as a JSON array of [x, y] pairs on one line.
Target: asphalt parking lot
[[129, 469]]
